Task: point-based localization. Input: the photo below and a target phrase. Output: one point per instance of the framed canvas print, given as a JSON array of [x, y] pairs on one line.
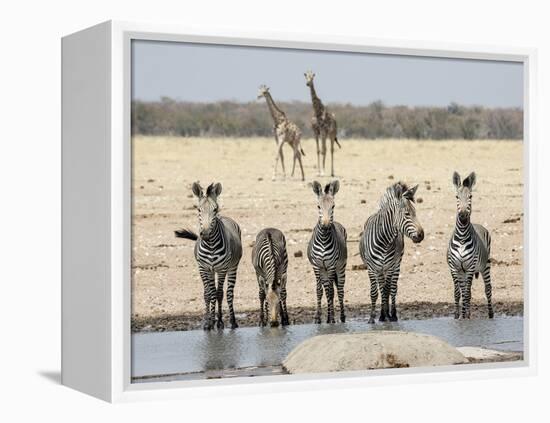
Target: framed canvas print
[[242, 211]]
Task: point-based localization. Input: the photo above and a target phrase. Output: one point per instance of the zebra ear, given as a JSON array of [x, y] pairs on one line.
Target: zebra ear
[[197, 189], [456, 180], [214, 190], [317, 188], [332, 188], [409, 194], [470, 181]]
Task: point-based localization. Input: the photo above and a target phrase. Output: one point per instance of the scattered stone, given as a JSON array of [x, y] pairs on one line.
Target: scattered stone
[[363, 201], [512, 220], [298, 253], [370, 350], [419, 200], [390, 177], [260, 179], [358, 267], [150, 180], [428, 187]]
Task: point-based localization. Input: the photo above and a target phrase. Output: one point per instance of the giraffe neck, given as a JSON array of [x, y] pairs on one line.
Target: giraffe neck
[[318, 107], [277, 114]]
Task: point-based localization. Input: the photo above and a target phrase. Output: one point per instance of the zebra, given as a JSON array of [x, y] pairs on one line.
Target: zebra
[[270, 261], [327, 252], [469, 249], [381, 245], [218, 251]]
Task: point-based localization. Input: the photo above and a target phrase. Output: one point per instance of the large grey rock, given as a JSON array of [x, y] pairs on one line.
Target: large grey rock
[[484, 355], [370, 350]]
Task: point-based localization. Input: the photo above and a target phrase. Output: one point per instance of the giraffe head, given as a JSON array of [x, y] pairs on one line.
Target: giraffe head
[[309, 78], [464, 195], [262, 91], [208, 207], [325, 202]]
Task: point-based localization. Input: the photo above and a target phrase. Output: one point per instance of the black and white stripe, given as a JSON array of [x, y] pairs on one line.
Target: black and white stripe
[[381, 245], [469, 250], [218, 251], [270, 260], [327, 252]]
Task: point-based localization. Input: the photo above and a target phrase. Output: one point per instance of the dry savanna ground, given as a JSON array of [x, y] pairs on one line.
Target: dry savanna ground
[[166, 287]]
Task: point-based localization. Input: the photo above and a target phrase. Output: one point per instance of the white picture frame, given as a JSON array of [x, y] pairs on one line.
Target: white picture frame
[[96, 210]]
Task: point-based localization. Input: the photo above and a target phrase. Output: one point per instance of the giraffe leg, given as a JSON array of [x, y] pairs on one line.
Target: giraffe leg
[[332, 156], [488, 289], [324, 151], [318, 155]]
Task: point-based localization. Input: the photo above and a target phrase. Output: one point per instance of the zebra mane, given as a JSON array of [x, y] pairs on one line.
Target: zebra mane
[[392, 194]]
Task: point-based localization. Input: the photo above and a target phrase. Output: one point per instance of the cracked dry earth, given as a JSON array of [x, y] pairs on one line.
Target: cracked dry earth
[[167, 293]]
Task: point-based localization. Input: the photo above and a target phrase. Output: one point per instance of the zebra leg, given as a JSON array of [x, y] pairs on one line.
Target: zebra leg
[[231, 279], [373, 295], [209, 284], [340, 282], [488, 289], [385, 292], [466, 295], [261, 284], [457, 292], [284, 313], [319, 295], [329, 293], [219, 297], [393, 292]]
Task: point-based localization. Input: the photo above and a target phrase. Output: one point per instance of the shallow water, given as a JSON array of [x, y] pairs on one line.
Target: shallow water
[[171, 353]]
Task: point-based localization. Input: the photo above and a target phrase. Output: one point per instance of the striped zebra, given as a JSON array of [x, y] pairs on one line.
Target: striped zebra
[[327, 252], [469, 249], [381, 245], [270, 261], [218, 251]]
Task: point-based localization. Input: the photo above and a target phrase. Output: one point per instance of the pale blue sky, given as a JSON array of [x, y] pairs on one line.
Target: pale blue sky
[[209, 73]]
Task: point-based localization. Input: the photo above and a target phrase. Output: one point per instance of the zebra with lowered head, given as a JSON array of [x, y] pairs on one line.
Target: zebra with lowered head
[[270, 260], [381, 245], [469, 249], [218, 251], [327, 252]]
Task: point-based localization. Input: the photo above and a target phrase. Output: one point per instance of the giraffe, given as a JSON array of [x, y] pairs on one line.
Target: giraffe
[[323, 124], [285, 131]]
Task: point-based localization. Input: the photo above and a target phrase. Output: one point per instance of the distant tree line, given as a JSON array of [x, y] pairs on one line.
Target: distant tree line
[[233, 119]]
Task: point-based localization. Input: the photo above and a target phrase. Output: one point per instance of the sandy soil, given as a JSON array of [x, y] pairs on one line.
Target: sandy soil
[[168, 292]]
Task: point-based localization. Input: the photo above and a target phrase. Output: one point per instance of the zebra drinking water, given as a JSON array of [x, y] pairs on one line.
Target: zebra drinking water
[[327, 252], [270, 261], [469, 249], [381, 245], [218, 251]]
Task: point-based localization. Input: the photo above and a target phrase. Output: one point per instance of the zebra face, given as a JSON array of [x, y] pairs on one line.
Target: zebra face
[[325, 202], [273, 298], [309, 78], [464, 196], [406, 216], [207, 207]]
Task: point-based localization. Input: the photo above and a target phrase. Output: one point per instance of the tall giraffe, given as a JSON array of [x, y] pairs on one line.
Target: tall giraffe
[[285, 131], [323, 124]]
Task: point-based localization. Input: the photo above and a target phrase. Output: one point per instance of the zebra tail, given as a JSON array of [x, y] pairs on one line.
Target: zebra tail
[[477, 275], [336, 139], [187, 234]]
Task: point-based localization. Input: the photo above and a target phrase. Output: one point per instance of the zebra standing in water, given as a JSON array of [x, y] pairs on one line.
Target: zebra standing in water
[[327, 252], [270, 261], [469, 249], [218, 251], [381, 245]]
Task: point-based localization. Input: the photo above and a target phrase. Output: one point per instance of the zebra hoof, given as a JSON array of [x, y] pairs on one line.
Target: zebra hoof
[[207, 326], [220, 324], [393, 319], [234, 324], [343, 319], [382, 318], [491, 314], [457, 316], [284, 321], [371, 321], [317, 320]]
